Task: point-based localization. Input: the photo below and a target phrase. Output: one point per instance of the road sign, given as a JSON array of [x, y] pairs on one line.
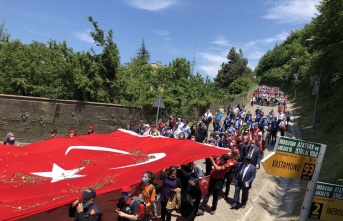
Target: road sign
[[293, 159], [159, 103], [327, 202]]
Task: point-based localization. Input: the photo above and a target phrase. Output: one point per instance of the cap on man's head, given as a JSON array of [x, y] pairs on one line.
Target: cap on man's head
[[90, 127], [126, 189], [53, 131], [89, 193], [224, 158], [72, 131]]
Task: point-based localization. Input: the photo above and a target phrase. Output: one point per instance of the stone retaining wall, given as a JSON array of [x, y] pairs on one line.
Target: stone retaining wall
[[31, 118]]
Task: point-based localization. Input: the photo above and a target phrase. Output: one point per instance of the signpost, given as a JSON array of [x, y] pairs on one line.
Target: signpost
[[293, 159], [297, 159], [327, 202], [159, 104]]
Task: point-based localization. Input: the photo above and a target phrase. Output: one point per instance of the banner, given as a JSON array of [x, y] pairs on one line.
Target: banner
[[45, 175]]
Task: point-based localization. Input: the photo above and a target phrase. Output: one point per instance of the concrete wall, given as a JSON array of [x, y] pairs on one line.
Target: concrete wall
[[31, 118]]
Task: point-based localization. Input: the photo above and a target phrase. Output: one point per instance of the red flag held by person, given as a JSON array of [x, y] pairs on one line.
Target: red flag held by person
[[49, 174]]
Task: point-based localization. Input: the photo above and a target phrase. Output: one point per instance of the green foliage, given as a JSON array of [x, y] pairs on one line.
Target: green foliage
[[315, 49], [143, 54], [240, 85], [54, 70], [4, 36], [236, 67]]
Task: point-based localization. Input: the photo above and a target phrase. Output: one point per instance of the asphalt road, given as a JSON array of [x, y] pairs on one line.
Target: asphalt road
[[270, 198]]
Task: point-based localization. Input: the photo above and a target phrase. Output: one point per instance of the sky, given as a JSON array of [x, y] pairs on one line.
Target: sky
[[201, 31]]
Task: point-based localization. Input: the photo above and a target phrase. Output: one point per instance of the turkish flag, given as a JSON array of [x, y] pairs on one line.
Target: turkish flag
[[49, 174]]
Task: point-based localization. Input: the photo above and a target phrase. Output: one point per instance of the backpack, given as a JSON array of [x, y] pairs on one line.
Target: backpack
[[141, 206], [209, 119], [157, 189]]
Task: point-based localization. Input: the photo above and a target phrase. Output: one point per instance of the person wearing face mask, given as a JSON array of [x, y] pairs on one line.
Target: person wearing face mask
[[193, 137], [126, 209], [186, 129], [168, 132], [170, 184], [72, 133], [182, 135], [85, 209], [10, 140], [53, 133], [148, 191]]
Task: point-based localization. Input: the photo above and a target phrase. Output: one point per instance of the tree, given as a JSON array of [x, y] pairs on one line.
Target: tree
[[108, 62], [240, 85], [4, 35], [236, 67], [143, 54]]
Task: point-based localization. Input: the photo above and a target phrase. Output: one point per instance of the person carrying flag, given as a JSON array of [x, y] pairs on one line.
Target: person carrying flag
[[85, 209]]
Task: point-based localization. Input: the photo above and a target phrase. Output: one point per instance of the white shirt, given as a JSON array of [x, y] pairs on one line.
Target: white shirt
[[207, 115], [245, 170], [280, 116]]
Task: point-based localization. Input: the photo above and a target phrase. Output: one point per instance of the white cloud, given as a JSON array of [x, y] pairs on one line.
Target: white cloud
[[277, 38], [210, 61], [38, 33], [292, 11], [84, 36], [164, 33], [254, 50], [222, 41], [151, 5]]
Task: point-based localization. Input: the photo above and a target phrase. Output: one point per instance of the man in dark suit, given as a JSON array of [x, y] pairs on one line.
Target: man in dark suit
[[265, 136], [243, 150], [244, 175], [255, 152]]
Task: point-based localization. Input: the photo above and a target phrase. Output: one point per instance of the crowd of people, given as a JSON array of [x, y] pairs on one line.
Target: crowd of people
[[245, 135], [10, 138], [268, 96]]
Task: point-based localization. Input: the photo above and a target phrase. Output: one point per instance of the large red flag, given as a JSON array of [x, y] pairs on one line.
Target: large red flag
[[45, 175]]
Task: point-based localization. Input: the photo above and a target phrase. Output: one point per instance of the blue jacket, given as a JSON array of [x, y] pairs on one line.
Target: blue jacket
[[249, 176]]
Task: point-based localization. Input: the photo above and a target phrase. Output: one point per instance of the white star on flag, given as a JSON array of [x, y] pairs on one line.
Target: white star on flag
[[58, 174]]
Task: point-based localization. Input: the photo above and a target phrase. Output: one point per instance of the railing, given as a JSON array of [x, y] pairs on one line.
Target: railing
[[241, 99]]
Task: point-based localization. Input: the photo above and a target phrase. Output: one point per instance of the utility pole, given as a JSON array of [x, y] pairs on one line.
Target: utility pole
[[194, 58]]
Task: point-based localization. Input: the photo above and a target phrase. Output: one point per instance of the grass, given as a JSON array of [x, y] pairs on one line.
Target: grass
[[328, 130]]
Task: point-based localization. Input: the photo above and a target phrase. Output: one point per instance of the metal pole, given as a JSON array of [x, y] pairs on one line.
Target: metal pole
[[158, 110], [315, 105], [311, 186], [314, 113]]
